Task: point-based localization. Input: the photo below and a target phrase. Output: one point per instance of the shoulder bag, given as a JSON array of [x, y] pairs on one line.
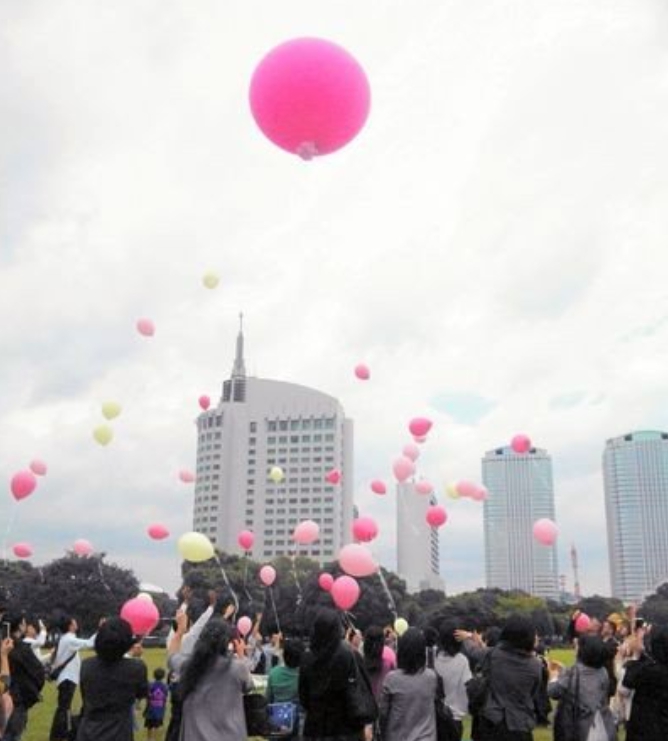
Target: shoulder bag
[[446, 727]]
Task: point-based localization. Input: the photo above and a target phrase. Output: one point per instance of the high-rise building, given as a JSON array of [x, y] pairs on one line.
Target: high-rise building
[[259, 424], [520, 492], [418, 558], [635, 472]]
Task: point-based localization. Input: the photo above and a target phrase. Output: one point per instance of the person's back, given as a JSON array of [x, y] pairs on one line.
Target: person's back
[[283, 681], [156, 704]]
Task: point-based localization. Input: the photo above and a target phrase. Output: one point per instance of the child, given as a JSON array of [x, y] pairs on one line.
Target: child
[[156, 704]]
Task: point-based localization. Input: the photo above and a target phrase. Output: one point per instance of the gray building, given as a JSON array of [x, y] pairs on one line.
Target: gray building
[[635, 472], [259, 424], [417, 543], [520, 492]]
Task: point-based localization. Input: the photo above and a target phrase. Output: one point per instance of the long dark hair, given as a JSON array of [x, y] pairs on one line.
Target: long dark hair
[[412, 651], [211, 644], [374, 643], [326, 634]]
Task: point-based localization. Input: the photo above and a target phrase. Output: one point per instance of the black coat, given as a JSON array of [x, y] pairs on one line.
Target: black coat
[[649, 710], [27, 675]]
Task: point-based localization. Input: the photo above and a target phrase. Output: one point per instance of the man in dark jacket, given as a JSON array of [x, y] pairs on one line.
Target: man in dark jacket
[[27, 679]]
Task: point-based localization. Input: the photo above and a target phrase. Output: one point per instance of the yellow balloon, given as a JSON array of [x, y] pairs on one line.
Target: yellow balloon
[[400, 626], [195, 547], [210, 279], [111, 409], [451, 491], [145, 596], [103, 434], [276, 474]]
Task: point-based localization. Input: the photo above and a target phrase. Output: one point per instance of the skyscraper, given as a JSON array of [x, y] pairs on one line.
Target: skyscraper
[[418, 558], [635, 472], [258, 424], [520, 492]]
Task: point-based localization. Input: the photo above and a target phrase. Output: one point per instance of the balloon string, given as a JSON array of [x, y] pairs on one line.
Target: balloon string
[[99, 569], [273, 605], [10, 525], [294, 573], [229, 586], [249, 596], [392, 605]]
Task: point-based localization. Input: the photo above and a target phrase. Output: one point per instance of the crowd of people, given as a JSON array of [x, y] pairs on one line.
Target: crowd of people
[[343, 685]]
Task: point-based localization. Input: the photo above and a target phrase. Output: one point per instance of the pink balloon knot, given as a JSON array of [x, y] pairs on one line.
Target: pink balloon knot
[[307, 150]]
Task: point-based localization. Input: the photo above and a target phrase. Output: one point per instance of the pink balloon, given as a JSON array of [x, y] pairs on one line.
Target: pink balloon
[[145, 327], [424, 487], [480, 494], [186, 476], [420, 439], [309, 97], [521, 444], [157, 531], [419, 426], [378, 486], [436, 516], [267, 575], [23, 484], [466, 488], [333, 476], [362, 372], [356, 560], [83, 547], [38, 467], [345, 592], [582, 623], [244, 625], [22, 550], [306, 532], [403, 468], [142, 615], [246, 539], [204, 402], [325, 581], [389, 657], [411, 451], [545, 531], [365, 529]]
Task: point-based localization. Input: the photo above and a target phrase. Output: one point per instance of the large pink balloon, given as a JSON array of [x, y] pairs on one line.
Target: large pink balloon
[[38, 467], [267, 575], [389, 657], [23, 484], [545, 531], [246, 539], [411, 451], [356, 560], [480, 494], [378, 486], [204, 402], [333, 476], [403, 468], [157, 531], [325, 581], [22, 550], [186, 476], [466, 488], [142, 615], [83, 547], [145, 327], [419, 426], [365, 529], [362, 372], [244, 625], [521, 444], [424, 487], [436, 516], [306, 532], [309, 97], [345, 592], [582, 623]]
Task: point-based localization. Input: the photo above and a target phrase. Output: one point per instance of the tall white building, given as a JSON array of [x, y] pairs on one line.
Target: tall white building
[[520, 492], [635, 472], [259, 424], [418, 558]]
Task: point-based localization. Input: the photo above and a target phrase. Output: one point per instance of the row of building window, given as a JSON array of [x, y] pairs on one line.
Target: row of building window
[[326, 423]]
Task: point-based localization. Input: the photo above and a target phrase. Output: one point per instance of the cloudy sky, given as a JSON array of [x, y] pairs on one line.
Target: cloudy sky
[[492, 245]]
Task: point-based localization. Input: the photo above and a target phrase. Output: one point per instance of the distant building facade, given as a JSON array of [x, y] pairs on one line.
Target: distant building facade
[[635, 473], [418, 557], [259, 424], [520, 492]]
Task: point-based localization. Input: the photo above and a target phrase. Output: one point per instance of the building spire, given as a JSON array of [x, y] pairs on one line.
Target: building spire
[[239, 367]]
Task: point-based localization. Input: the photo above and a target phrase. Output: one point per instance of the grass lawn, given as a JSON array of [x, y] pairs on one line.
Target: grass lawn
[[41, 715]]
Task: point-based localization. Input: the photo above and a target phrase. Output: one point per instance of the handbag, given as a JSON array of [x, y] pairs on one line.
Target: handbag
[[283, 718], [477, 688], [569, 712], [446, 726], [361, 706], [52, 674], [255, 710]]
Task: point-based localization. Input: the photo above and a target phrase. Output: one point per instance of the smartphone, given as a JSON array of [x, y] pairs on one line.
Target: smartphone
[[6, 630]]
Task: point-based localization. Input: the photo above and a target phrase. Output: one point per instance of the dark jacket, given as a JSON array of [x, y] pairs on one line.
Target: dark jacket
[[27, 675], [514, 680], [649, 710], [322, 693]]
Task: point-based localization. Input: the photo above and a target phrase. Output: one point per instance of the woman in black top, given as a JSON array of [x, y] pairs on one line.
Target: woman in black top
[[110, 684]]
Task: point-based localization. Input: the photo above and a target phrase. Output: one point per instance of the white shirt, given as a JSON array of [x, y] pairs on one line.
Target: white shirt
[[36, 644], [69, 644]]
